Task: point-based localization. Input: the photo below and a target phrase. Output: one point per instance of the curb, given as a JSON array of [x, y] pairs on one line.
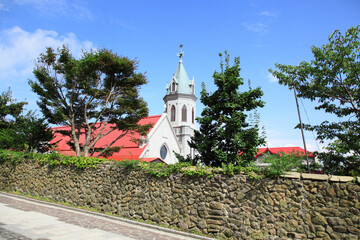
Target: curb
[[185, 234]]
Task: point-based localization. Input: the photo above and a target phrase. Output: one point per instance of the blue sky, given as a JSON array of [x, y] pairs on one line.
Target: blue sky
[[260, 32]]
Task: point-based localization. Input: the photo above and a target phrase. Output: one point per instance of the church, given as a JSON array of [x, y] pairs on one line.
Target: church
[[170, 131]]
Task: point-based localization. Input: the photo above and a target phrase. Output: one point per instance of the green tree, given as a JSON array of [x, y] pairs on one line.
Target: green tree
[[33, 133], [9, 108], [9, 111], [88, 94], [332, 79], [19, 131], [225, 136]]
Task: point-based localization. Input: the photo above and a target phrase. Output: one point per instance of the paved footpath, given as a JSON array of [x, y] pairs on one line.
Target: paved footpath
[[24, 218]]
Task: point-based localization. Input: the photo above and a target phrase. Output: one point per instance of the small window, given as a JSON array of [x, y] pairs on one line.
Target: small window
[[173, 85], [173, 113], [183, 117], [193, 116], [163, 151]]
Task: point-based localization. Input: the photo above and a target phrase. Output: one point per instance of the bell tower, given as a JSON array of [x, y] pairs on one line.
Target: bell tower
[[180, 106]]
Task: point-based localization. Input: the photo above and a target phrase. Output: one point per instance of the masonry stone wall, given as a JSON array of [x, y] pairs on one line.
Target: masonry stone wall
[[227, 206]]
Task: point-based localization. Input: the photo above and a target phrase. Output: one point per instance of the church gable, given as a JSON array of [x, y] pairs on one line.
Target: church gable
[[162, 141]]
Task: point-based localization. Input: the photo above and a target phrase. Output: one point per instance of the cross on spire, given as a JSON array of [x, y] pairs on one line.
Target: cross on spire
[[181, 54]]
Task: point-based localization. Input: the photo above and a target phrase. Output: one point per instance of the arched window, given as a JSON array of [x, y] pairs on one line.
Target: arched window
[[183, 114], [163, 152], [173, 85], [173, 113], [193, 116]]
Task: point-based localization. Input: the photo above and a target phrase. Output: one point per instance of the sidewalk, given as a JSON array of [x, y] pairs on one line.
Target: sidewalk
[[24, 218]]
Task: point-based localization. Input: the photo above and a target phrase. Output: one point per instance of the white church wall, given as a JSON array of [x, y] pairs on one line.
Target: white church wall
[[162, 134], [179, 103]]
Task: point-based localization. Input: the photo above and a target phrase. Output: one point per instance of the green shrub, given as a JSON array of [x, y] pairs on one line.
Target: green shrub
[[53, 159], [156, 169], [281, 163], [162, 169], [199, 171], [56, 159], [230, 169], [129, 164], [11, 156]]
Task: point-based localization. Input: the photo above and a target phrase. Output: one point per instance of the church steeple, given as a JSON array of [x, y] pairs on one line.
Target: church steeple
[[180, 82], [180, 105]]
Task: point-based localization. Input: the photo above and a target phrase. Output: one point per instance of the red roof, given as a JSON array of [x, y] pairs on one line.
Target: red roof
[[279, 150], [129, 149]]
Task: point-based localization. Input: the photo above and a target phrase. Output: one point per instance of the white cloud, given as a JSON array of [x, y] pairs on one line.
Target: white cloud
[[272, 78], [66, 8], [255, 27], [267, 14], [19, 50]]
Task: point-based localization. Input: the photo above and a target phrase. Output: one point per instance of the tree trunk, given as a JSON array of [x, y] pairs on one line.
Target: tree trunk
[[75, 137]]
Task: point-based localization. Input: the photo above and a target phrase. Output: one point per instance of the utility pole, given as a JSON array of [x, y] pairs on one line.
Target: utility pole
[[302, 130]]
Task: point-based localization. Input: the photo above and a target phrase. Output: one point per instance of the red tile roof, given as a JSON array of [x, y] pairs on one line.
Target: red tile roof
[[285, 150], [130, 149]]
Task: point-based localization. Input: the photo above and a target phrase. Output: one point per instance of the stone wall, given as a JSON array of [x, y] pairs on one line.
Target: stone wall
[[231, 206]]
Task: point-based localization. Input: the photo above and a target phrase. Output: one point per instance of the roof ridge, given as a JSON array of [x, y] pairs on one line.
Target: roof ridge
[[153, 116]]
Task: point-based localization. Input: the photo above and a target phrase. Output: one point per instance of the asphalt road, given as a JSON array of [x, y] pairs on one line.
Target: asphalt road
[[24, 218]]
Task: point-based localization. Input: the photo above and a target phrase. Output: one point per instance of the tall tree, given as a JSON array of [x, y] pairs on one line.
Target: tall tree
[[225, 136], [332, 79], [88, 94]]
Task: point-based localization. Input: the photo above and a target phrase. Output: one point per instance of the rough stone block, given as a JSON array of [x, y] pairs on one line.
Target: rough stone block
[[216, 205], [213, 228], [201, 224], [336, 221], [318, 219], [354, 230], [214, 222], [236, 210], [341, 229], [235, 221], [215, 212], [257, 235]]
